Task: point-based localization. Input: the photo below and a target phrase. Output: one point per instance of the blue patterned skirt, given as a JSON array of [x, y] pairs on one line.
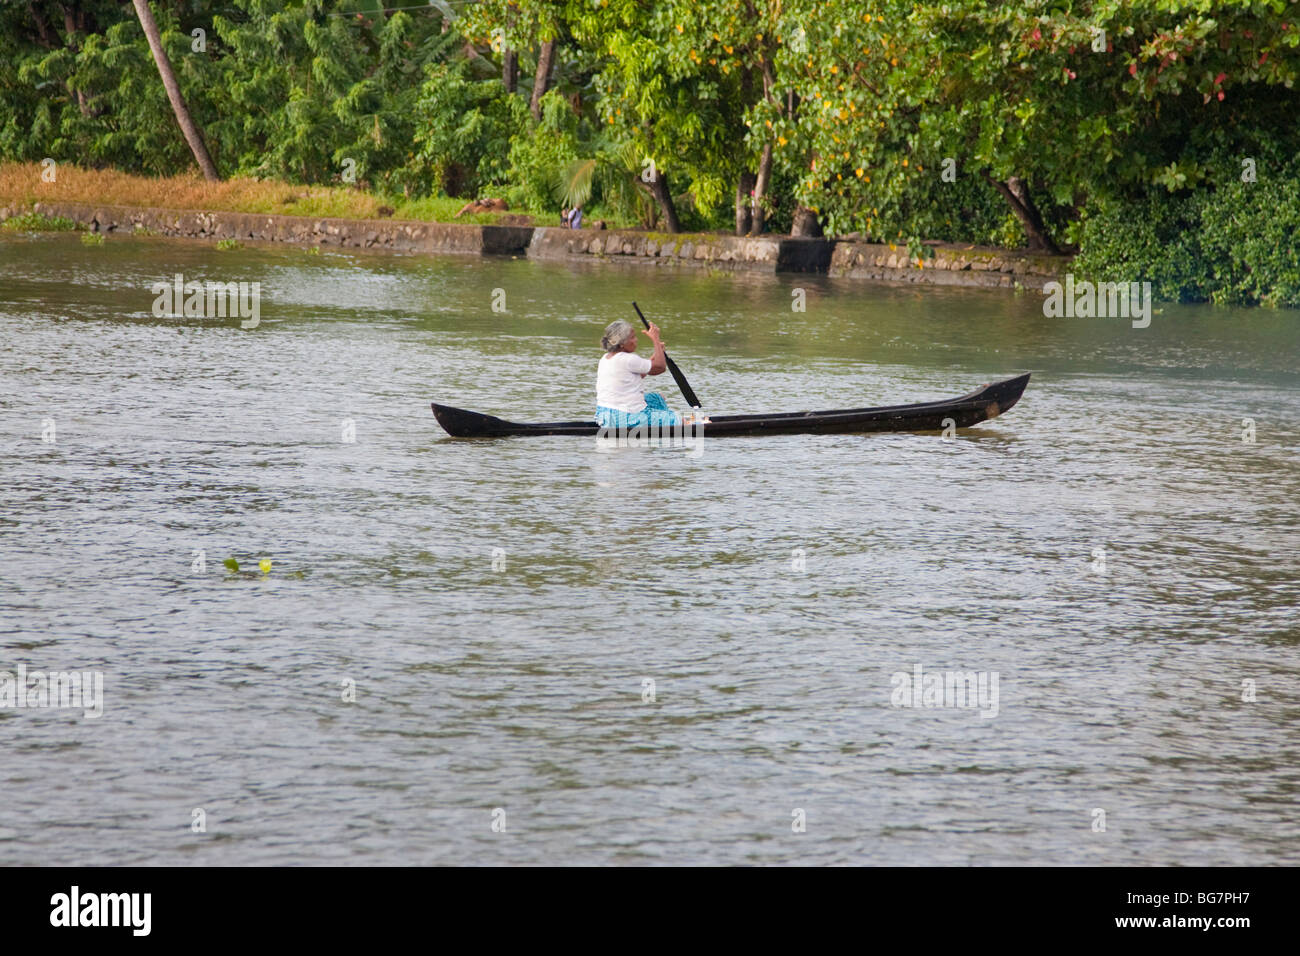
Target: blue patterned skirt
[[656, 414]]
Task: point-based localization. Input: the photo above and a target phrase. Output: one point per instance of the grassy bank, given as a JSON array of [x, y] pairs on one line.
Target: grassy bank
[[21, 186]]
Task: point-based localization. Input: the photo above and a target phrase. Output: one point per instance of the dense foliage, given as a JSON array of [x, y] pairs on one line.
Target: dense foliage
[[1234, 244], [1123, 128]]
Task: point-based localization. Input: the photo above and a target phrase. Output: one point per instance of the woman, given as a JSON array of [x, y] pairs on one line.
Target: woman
[[619, 402]]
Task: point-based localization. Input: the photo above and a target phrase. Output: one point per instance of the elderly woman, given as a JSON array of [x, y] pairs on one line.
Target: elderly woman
[[619, 402]]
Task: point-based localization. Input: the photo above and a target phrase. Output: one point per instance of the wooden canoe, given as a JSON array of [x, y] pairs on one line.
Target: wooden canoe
[[984, 403]]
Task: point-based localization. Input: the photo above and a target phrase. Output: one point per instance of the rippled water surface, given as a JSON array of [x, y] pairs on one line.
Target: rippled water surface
[[1111, 548]]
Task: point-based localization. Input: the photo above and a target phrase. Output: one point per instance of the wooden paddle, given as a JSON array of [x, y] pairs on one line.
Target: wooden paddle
[[687, 392]]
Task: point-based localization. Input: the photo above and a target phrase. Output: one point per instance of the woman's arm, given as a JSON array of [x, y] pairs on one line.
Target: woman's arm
[[659, 360]]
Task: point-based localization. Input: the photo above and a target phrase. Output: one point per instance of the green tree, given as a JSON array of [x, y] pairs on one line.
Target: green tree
[[1052, 107]]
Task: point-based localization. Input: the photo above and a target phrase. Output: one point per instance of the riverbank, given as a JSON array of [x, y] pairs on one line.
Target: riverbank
[[946, 264], [249, 210]]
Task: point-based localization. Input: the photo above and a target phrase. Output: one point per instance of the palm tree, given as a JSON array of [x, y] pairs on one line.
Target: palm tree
[[614, 172], [183, 118]]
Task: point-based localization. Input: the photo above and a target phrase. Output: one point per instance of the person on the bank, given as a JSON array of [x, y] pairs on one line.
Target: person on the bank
[[619, 400]]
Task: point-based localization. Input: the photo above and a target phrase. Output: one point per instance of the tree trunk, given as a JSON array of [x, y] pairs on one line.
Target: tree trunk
[[48, 39], [659, 190], [191, 131], [74, 22], [805, 223], [759, 217], [544, 61], [510, 70], [1016, 193], [744, 213], [509, 58]]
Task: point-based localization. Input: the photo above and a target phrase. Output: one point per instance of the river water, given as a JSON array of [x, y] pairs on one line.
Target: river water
[[450, 659]]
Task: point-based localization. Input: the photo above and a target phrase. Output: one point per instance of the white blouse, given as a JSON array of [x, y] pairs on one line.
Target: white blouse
[[618, 382]]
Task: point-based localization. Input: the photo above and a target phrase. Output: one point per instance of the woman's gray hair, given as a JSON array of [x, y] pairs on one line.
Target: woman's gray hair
[[616, 334]]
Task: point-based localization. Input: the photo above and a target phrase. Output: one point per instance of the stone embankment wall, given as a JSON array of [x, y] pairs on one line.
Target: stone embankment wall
[[949, 265], [399, 235]]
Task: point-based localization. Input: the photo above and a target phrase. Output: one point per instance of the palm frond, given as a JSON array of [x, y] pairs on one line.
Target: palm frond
[[575, 182]]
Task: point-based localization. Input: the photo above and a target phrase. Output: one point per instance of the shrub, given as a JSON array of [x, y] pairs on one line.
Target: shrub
[[39, 222], [464, 129], [537, 159], [1238, 243]]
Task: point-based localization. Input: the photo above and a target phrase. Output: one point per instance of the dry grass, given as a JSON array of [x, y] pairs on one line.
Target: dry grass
[[21, 185]]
